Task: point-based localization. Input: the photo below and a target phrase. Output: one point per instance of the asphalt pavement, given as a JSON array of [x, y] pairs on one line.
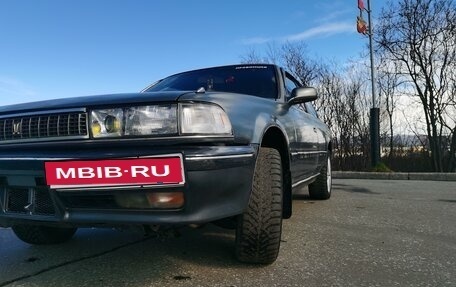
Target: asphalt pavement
[[370, 233]]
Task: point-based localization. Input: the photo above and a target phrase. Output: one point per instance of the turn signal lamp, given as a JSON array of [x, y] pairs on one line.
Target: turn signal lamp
[[166, 200], [150, 200]]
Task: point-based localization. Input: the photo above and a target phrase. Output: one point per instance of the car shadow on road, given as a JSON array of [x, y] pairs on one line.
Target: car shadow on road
[[303, 197], [167, 255], [353, 189]]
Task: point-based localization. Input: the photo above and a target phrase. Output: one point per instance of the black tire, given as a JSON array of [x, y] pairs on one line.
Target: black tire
[[259, 228], [41, 235], [321, 188]]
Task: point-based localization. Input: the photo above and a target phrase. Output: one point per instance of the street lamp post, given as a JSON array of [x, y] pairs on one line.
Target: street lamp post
[[374, 111]]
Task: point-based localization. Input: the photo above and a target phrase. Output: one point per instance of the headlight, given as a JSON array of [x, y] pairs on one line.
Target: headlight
[[107, 123], [204, 119], [134, 121], [160, 120], [151, 120]]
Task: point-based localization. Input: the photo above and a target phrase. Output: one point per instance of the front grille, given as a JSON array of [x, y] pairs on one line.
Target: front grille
[[32, 201], [35, 127]]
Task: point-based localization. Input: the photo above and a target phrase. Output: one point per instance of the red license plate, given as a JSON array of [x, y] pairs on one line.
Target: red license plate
[[115, 172]]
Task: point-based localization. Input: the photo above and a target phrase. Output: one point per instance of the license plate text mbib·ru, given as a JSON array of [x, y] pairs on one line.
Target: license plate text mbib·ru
[[115, 172]]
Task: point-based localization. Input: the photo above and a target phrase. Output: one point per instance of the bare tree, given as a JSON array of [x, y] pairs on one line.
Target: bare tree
[[330, 106], [358, 103], [330, 89], [297, 61], [343, 105], [388, 81], [273, 55], [252, 57], [421, 35]]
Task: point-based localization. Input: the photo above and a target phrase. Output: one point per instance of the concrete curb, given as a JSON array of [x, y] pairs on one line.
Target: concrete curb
[[396, 175]]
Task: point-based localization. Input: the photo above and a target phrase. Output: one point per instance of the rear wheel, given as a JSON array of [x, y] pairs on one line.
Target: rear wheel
[[35, 234], [321, 187], [259, 228]]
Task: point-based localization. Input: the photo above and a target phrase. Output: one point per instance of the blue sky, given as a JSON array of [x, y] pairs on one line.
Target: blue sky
[[61, 48]]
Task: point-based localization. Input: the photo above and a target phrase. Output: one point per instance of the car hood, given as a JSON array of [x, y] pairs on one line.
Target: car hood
[[93, 101]]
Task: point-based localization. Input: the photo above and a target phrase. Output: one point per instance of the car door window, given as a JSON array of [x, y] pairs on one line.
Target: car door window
[[290, 84]]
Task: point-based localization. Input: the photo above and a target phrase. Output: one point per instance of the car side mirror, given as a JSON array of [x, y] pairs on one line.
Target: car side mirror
[[302, 95]]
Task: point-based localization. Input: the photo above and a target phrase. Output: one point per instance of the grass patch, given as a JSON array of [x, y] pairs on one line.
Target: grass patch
[[381, 167]]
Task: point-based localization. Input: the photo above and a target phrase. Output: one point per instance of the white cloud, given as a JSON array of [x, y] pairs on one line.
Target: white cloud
[[321, 31], [334, 15]]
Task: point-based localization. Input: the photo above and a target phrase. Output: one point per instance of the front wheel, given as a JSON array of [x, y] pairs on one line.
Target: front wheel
[[321, 187], [40, 235], [259, 228]]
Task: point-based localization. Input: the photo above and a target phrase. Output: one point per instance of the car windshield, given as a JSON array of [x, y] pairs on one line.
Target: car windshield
[[256, 80]]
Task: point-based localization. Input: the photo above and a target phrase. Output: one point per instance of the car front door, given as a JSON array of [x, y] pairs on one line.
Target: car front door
[[304, 151]]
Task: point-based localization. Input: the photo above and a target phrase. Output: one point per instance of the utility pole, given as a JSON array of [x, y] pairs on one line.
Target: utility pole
[[374, 111]]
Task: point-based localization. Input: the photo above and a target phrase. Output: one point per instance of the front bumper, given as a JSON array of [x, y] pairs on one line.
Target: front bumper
[[218, 185]]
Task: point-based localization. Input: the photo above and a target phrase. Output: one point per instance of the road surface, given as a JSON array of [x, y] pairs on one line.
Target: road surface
[[370, 233]]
